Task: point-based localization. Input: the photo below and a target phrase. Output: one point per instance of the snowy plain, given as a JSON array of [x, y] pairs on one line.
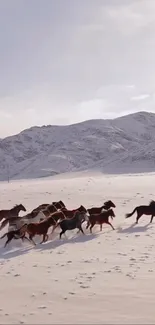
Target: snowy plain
[[101, 278]]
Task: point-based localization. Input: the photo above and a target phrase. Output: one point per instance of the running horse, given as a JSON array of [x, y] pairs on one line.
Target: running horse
[[35, 216], [56, 206], [40, 228], [148, 210], [16, 234], [97, 210], [8, 214], [101, 218], [106, 206], [71, 223]]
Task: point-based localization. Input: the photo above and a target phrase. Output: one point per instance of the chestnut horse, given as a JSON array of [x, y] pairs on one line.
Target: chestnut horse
[[101, 218], [40, 228], [143, 209], [8, 214]]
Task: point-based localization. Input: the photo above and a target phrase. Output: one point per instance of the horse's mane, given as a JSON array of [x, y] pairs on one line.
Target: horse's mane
[[16, 205]]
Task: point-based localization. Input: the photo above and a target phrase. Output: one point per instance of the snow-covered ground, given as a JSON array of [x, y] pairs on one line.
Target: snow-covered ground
[[103, 278]]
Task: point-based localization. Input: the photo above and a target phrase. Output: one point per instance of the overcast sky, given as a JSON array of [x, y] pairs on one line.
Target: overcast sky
[[64, 61]]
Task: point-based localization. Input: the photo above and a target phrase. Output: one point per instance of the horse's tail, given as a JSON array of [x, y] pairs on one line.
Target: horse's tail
[[4, 223], [128, 215]]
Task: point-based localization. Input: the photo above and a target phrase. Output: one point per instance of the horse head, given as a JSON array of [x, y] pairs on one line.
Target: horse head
[[62, 204], [82, 209], [22, 208], [79, 215], [152, 204], [109, 204]]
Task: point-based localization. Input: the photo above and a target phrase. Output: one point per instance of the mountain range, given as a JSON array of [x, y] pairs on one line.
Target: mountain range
[[122, 145]]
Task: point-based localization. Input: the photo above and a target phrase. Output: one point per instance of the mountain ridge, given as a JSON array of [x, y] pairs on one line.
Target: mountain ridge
[[125, 143]]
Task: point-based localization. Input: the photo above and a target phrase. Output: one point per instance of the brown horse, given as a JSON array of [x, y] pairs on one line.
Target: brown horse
[[40, 228], [57, 205], [8, 214], [16, 234], [101, 218], [143, 209], [49, 209], [106, 206], [70, 213]]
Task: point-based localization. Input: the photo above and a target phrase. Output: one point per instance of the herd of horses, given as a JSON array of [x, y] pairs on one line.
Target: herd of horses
[[40, 219]]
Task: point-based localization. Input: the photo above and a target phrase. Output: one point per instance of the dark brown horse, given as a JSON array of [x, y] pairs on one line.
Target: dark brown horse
[[101, 218], [71, 223], [16, 234], [106, 206], [143, 209], [8, 214]]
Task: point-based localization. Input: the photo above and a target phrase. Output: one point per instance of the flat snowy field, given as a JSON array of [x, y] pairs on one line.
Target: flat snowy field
[[107, 277]]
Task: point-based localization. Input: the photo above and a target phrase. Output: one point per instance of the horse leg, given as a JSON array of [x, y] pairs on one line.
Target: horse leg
[[110, 225], [80, 229], [52, 230], [45, 238], [138, 217], [62, 232], [91, 227], [101, 227], [10, 237], [25, 237], [151, 218], [31, 239], [88, 224]]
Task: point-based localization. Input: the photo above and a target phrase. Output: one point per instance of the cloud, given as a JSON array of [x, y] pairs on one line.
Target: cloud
[[140, 97], [64, 61]]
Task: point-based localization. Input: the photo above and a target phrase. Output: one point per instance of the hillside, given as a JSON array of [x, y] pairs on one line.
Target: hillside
[[124, 144]]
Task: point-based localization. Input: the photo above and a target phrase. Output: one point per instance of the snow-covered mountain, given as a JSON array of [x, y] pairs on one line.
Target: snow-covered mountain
[[124, 144]]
